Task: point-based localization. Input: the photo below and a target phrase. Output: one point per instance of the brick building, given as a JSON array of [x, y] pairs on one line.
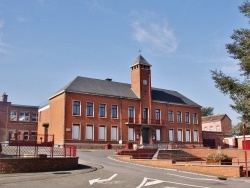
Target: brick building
[[93, 111], [214, 129], [20, 119], [217, 123]]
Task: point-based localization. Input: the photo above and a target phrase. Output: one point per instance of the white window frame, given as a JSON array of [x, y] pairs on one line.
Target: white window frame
[[102, 133], [76, 108], [76, 131], [131, 112], [26, 116], [170, 116], [188, 135], [87, 109], [158, 134], [196, 136], [195, 118], [34, 117], [89, 132], [187, 117], [102, 110], [157, 114], [179, 116], [116, 109], [114, 133], [13, 116], [180, 135], [131, 134], [170, 135]]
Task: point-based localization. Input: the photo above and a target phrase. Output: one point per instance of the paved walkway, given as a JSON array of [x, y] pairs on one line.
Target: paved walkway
[[21, 177]]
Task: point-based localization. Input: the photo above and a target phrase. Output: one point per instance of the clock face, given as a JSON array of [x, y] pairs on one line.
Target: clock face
[[144, 82]]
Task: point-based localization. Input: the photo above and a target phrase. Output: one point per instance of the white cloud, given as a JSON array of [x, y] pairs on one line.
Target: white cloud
[[153, 33]]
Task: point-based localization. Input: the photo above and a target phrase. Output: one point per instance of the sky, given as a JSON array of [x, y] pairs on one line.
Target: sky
[[45, 44]]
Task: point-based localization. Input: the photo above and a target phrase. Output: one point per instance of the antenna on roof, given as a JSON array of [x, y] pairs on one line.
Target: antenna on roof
[[139, 51]]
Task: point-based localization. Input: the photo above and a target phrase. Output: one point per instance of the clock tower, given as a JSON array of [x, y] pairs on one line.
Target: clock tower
[[141, 84]]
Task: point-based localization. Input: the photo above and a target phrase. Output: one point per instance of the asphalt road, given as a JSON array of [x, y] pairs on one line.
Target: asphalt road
[[103, 172]]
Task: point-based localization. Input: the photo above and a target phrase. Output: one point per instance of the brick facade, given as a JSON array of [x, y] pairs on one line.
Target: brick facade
[[20, 119], [21, 165], [145, 127]]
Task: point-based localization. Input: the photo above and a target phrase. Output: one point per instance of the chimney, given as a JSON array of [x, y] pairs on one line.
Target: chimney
[[108, 79], [4, 97]]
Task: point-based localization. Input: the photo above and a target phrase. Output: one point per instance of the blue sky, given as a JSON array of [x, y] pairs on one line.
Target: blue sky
[[44, 44]]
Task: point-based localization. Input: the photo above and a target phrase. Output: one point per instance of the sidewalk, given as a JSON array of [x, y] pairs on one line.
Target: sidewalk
[[22, 177]]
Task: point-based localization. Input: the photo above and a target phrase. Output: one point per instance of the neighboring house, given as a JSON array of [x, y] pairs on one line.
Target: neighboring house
[[217, 123], [214, 129], [94, 111], [17, 121]]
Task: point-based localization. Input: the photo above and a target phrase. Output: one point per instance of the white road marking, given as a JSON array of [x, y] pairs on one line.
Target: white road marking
[[203, 179], [91, 182], [144, 183]]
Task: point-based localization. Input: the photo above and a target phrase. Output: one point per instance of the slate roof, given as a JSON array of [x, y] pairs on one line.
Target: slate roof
[[218, 117], [140, 60], [117, 89]]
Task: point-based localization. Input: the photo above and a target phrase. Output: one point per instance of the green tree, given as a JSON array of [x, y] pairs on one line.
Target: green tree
[[207, 111], [238, 89], [237, 129]]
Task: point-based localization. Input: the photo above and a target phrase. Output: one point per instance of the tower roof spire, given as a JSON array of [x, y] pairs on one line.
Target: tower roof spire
[[141, 61]]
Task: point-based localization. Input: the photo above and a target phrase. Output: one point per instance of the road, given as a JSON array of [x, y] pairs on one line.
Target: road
[[116, 174]]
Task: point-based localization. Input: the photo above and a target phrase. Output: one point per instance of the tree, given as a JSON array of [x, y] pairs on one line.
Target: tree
[[238, 89], [207, 111], [237, 129]]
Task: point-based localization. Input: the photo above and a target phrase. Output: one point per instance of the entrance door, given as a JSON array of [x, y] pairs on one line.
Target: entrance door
[[145, 135]]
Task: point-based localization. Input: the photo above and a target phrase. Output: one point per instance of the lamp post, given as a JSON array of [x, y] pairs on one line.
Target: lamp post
[[244, 146]]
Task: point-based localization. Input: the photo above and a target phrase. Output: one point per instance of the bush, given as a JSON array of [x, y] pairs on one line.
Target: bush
[[217, 157]]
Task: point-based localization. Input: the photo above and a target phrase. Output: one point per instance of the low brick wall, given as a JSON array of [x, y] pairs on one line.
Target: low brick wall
[[20, 165], [217, 170]]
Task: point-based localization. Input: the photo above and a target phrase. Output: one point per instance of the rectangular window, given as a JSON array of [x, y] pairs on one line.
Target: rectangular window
[[179, 136], [114, 111], [178, 117], [33, 135], [195, 118], [102, 133], [90, 109], [170, 116], [24, 116], [89, 132], [217, 128], [187, 117], [12, 135], [13, 116], [76, 108], [145, 115], [131, 112], [158, 134], [196, 136], [34, 117], [157, 116], [25, 135], [188, 136], [131, 134], [76, 132], [171, 135], [114, 133], [102, 110]]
